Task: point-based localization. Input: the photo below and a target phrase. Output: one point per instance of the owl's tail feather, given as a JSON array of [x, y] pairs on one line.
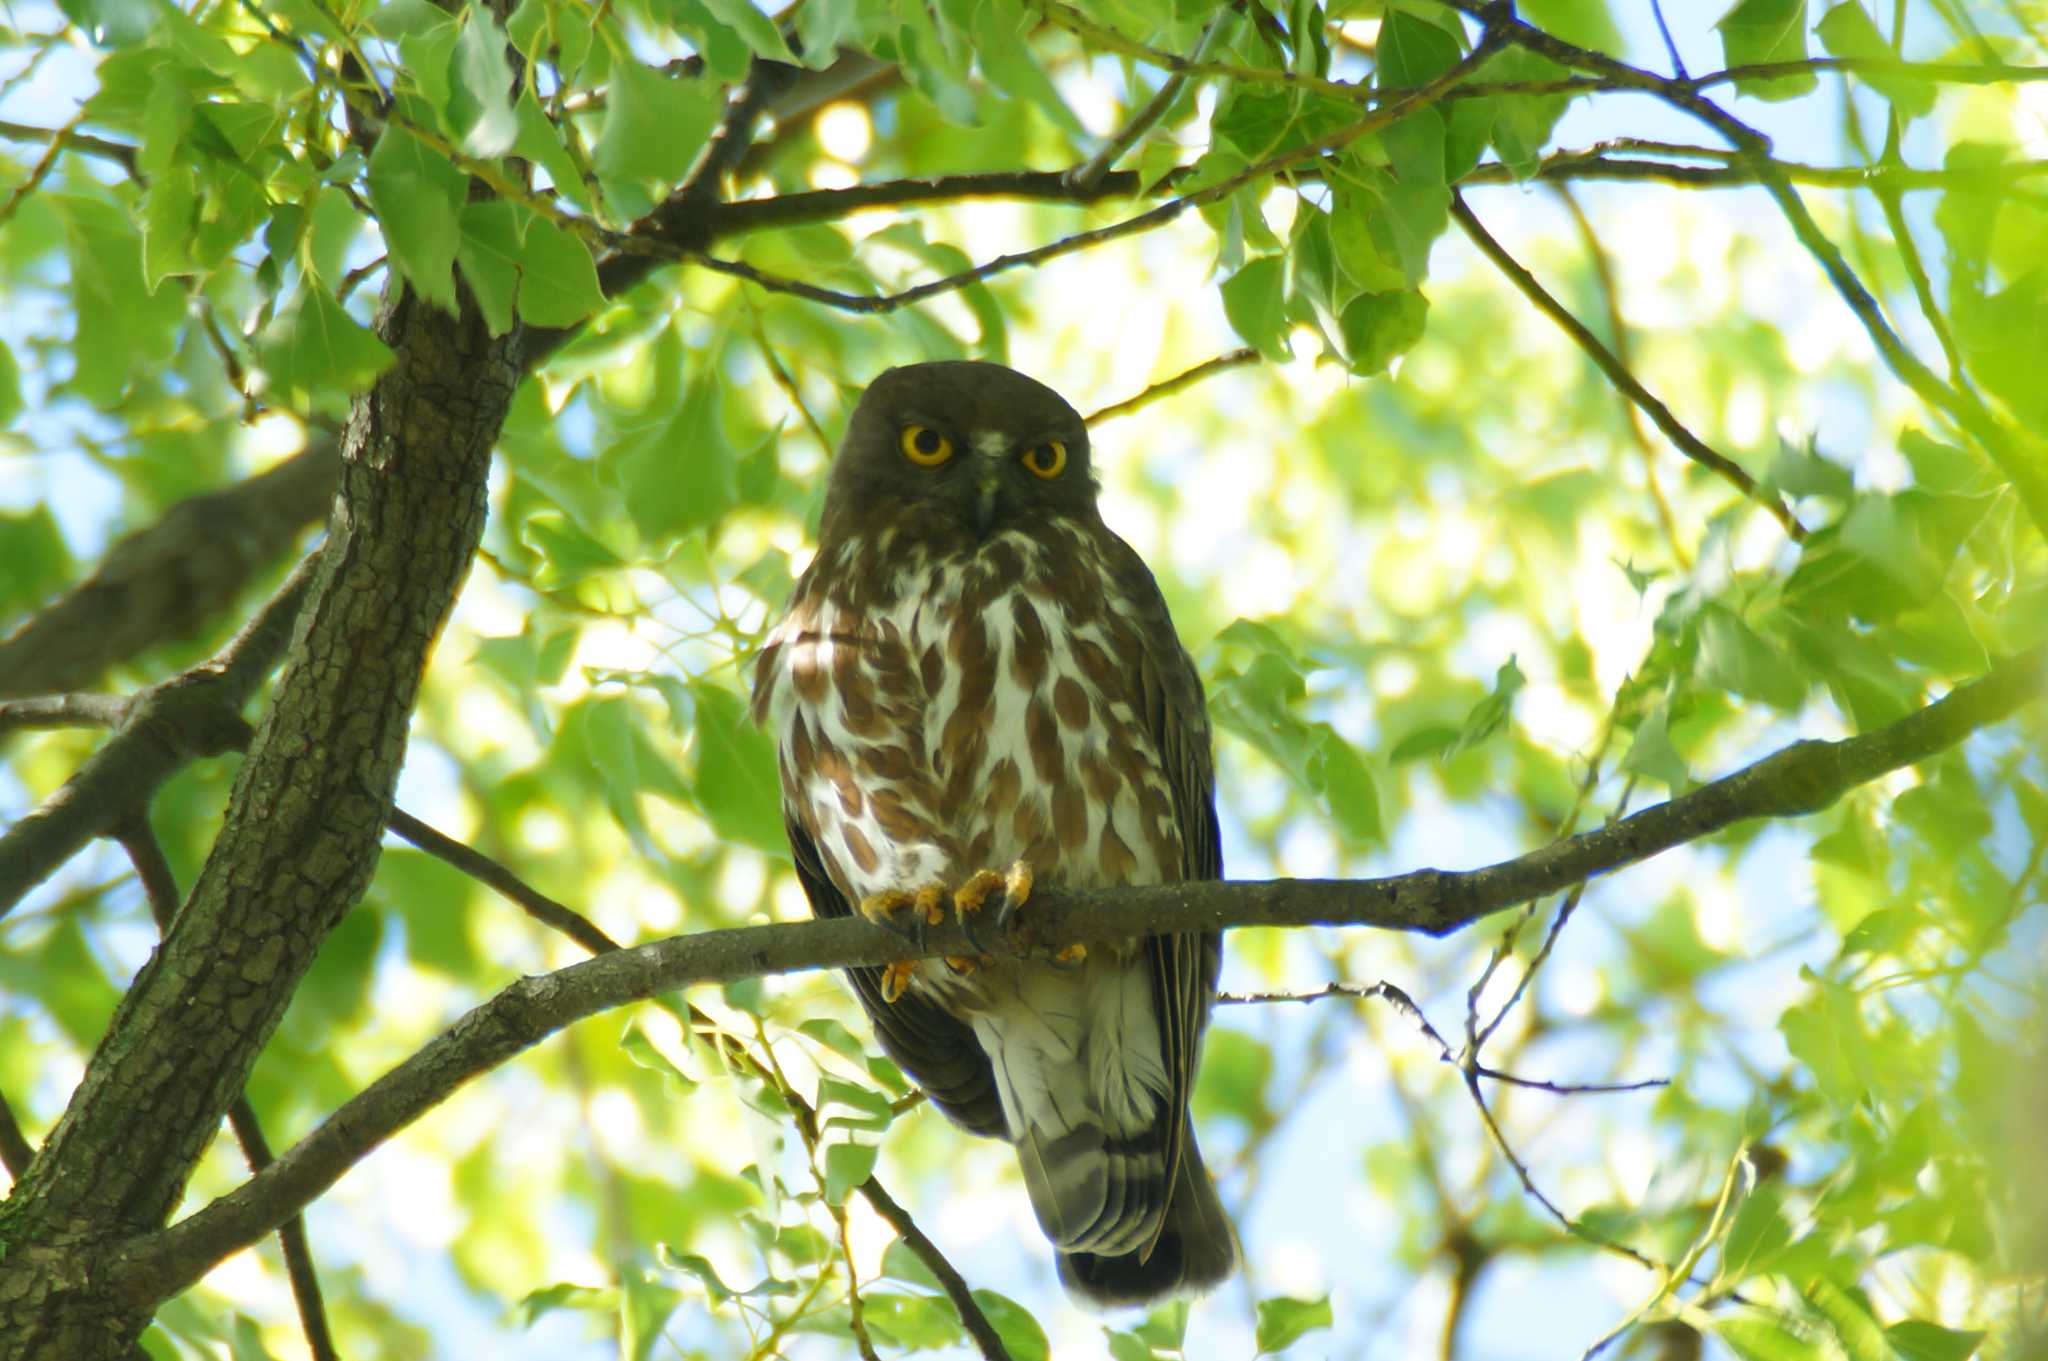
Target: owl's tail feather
[[1195, 1248]]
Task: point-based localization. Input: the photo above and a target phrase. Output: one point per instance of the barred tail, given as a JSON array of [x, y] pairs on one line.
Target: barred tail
[[1194, 1251]]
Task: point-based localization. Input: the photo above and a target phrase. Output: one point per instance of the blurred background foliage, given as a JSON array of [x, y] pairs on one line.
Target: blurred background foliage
[[1452, 597]]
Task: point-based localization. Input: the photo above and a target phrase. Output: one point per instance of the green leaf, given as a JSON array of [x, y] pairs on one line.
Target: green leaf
[[557, 278], [753, 27], [1847, 32], [1002, 47], [1022, 1336], [1348, 789], [643, 1053], [1235, 1070], [682, 476], [847, 1166], [1378, 328], [1756, 1337], [1490, 715], [419, 197], [737, 784], [912, 1322], [1732, 655], [314, 348], [1255, 303], [480, 84], [1284, 1321], [1826, 1035], [653, 126], [10, 407], [167, 210], [562, 1295], [1850, 1319], [1917, 1340], [1762, 32], [492, 242]]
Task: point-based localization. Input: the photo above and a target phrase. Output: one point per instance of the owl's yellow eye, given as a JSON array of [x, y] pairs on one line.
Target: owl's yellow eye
[[925, 446], [1047, 460]]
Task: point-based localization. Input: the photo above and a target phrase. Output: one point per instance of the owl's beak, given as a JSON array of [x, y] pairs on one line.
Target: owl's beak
[[988, 491]]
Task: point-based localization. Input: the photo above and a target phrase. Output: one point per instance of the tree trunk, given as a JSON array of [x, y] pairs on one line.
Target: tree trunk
[[297, 848]]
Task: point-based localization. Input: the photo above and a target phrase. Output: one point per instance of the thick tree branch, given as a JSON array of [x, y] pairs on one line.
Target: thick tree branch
[[15, 1151], [1799, 779], [169, 580], [62, 711], [195, 713]]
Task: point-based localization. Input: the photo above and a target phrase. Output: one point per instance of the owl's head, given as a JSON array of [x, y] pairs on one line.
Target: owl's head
[[977, 443]]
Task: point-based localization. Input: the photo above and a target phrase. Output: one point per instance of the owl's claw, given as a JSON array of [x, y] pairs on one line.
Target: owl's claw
[[905, 912], [896, 976], [971, 897]]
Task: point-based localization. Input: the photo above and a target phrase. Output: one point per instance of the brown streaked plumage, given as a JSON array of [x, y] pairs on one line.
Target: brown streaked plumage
[[975, 672]]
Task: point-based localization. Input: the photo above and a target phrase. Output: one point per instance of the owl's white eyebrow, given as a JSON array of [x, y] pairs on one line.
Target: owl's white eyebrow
[[991, 443]]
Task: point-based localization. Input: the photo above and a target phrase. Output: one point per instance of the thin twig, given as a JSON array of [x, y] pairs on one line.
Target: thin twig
[[1403, 1003], [41, 169], [1420, 97], [1089, 174], [1670, 45], [1689, 444], [1617, 329], [2010, 451], [1166, 387], [957, 1290], [160, 889]]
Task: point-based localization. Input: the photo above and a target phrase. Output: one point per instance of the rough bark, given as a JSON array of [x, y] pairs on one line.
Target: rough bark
[[297, 849]]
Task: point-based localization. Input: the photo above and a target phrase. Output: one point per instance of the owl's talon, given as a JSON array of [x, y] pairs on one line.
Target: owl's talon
[[1073, 955], [899, 911], [972, 897], [896, 976], [963, 964]]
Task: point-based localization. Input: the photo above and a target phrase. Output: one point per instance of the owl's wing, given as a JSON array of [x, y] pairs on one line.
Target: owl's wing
[[1184, 967], [939, 1053]]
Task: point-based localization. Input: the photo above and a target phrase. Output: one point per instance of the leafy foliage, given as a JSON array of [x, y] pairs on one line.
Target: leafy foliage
[[1451, 594]]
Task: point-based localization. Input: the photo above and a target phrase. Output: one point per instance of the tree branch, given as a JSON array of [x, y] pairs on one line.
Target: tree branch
[[62, 711], [168, 580], [15, 1150], [195, 713], [1689, 444], [160, 887], [592, 938], [1166, 387], [1796, 780]]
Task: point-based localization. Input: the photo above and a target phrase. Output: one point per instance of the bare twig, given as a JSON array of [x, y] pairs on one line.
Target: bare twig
[[160, 888], [1689, 444], [1420, 97], [1403, 1003], [972, 1318], [1166, 387], [1088, 175], [2012, 453], [1617, 328]]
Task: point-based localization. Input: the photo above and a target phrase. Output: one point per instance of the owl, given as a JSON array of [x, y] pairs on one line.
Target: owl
[[976, 688]]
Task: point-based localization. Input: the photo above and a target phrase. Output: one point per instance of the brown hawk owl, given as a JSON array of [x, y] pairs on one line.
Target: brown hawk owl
[[974, 672]]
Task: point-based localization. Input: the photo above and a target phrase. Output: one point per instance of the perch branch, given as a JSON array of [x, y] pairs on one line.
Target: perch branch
[[1795, 780]]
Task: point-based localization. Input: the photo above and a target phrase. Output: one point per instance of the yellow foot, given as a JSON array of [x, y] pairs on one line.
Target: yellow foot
[[896, 977], [888, 907], [1073, 954]]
